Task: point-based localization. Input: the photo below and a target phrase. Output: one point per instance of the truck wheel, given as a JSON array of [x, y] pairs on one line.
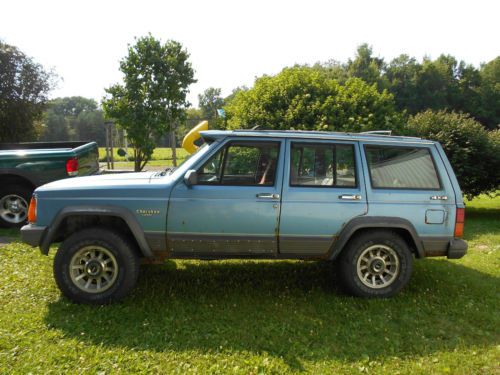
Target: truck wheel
[[375, 264], [96, 266], [14, 202]]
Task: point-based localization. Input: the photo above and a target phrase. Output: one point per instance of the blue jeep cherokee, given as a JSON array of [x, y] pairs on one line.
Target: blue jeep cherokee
[[370, 202]]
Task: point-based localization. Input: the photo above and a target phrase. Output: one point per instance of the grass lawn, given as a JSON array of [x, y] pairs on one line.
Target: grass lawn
[[254, 317]]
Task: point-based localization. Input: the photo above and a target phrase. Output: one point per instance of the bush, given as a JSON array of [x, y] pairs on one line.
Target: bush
[[303, 98], [473, 152]]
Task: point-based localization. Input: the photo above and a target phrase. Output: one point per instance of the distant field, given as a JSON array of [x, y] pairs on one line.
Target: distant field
[[260, 317]]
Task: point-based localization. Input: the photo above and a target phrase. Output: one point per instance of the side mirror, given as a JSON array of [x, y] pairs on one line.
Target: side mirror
[[191, 177]]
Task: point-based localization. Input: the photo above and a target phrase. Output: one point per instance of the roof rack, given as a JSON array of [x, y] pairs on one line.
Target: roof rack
[[378, 132]]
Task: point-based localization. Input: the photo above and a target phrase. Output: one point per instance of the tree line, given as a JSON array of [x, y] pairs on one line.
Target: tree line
[[443, 99]]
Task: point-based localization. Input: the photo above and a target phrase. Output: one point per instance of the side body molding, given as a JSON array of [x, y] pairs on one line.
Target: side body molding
[[383, 222], [120, 212]]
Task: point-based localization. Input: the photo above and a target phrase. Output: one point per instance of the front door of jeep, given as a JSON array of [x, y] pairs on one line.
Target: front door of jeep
[[234, 207]]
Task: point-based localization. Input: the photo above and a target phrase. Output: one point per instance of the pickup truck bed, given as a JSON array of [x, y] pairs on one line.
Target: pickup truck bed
[[25, 166]]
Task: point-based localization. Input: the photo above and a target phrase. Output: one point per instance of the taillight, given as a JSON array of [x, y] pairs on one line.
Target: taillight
[[459, 222], [32, 211], [72, 167]]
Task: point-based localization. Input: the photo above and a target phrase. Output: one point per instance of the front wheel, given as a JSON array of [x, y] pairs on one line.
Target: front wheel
[[96, 266], [375, 264]]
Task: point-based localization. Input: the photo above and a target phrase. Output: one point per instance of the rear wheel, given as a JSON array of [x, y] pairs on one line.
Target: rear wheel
[[96, 266], [14, 201], [375, 264]]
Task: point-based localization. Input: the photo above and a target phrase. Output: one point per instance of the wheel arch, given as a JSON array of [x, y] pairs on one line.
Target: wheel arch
[[73, 218], [16, 179], [362, 224], [9, 175]]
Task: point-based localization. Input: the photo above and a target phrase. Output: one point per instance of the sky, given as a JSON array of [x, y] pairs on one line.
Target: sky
[[233, 42]]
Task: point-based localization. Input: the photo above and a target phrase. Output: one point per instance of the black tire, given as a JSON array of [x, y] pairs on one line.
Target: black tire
[[118, 252], [14, 202], [375, 263]]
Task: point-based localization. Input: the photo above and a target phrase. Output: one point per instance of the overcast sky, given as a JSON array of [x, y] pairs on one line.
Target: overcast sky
[[232, 42]]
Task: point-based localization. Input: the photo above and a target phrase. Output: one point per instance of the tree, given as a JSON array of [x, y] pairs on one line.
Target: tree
[[73, 118], [89, 126], [153, 96], [24, 86], [210, 101], [305, 98], [401, 74], [370, 69], [473, 152], [489, 92]]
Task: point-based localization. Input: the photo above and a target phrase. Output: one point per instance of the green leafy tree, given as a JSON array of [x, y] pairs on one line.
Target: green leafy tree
[[89, 126], [473, 152], [211, 100], [55, 127], [370, 69], [401, 74], [305, 98], [334, 69], [489, 92], [153, 96], [73, 118], [24, 86]]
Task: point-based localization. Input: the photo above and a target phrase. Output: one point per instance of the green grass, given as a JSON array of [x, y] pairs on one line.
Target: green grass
[[254, 317]]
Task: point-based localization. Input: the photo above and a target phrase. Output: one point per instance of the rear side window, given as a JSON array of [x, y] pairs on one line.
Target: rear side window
[[401, 168], [322, 165]]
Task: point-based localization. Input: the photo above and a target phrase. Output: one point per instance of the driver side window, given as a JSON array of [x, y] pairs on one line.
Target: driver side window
[[241, 164]]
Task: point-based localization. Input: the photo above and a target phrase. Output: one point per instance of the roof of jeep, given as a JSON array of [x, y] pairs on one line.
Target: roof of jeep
[[212, 135]]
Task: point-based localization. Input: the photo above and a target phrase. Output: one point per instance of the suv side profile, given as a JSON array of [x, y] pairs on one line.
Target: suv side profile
[[370, 202]]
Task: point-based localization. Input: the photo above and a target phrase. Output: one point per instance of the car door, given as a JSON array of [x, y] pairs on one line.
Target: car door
[[322, 190], [234, 206], [403, 181]]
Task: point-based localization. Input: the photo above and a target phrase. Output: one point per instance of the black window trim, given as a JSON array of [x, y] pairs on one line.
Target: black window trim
[[301, 142], [436, 169], [225, 147]]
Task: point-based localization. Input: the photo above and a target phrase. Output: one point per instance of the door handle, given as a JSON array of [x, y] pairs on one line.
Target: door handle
[[439, 198], [268, 196], [350, 197]]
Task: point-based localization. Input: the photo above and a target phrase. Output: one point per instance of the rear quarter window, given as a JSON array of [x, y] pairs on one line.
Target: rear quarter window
[[393, 167]]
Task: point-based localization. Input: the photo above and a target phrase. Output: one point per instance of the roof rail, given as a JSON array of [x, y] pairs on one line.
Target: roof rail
[[378, 132]]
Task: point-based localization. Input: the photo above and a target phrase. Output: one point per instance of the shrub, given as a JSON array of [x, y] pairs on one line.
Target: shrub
[[473, 152], [302, 98]]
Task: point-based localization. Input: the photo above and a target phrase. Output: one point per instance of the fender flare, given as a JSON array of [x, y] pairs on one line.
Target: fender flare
[[120, 212], [385, 222]]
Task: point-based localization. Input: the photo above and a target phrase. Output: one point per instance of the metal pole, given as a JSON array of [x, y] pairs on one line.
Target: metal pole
[[111, 128], [107, 145], [174, 147]]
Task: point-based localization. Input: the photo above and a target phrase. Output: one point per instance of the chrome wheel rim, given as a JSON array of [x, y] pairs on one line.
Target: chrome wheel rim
[[93, 269], [13, 208], [378, 266]]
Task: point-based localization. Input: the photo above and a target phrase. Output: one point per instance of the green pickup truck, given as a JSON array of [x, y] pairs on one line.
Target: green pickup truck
[[25, 166]]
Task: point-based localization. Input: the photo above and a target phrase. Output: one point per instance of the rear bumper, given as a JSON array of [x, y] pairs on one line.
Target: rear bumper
[[452, 248], [32, 234], [457, 248]]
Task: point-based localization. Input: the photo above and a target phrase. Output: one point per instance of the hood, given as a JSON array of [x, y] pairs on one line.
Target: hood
[[105, 181]]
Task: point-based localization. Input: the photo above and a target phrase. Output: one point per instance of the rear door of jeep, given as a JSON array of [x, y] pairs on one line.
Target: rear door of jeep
[[408, 180]]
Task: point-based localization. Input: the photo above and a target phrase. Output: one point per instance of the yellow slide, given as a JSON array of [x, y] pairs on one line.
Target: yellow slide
[[192, 136]]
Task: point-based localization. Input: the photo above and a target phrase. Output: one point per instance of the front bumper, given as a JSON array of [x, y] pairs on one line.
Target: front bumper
[[32, 234]]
